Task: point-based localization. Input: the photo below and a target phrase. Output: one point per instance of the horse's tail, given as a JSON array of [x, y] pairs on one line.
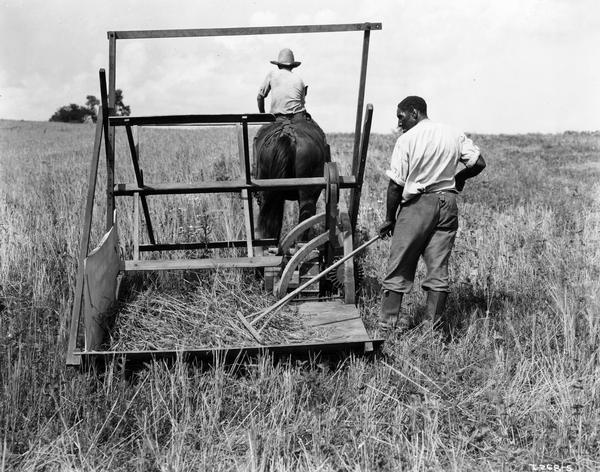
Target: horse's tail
[[284, 156], [277, 160]]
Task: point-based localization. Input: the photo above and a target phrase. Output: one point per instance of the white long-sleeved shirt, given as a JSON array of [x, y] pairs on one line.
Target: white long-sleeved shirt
[[425, 158]]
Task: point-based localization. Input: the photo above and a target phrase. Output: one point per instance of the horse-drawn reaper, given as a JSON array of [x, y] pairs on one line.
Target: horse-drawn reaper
[[291, 162]]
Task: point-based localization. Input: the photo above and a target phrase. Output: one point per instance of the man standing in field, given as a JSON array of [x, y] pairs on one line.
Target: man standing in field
[[421, 211]]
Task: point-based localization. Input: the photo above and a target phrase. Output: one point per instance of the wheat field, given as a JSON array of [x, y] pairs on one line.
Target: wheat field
[[517, 388]]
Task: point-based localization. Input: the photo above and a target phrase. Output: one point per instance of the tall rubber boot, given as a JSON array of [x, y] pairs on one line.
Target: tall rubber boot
[[391, 303], [436, 303]]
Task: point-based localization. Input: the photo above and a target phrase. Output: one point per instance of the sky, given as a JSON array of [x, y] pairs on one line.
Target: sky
[[502, 66]]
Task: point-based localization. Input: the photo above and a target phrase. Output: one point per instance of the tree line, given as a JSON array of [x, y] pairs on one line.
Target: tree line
[[74, 113]]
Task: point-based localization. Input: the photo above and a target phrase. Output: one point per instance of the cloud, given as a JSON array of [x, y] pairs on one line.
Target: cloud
[[479, 64]]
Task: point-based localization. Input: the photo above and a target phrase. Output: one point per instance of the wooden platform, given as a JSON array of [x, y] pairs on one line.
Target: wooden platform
[[345, 334], [343, 320]]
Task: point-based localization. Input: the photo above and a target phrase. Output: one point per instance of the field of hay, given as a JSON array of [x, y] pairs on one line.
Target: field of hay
[[518, 388]]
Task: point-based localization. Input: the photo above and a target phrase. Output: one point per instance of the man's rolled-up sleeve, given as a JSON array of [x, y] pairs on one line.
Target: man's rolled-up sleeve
[[398, 170], [469, 152], [265, 88]]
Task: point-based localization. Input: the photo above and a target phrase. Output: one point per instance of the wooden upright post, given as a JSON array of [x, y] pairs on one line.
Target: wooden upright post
[[246, 195], [108, 149], [110, 153], [359, 170], [361, 94], [84, 243]]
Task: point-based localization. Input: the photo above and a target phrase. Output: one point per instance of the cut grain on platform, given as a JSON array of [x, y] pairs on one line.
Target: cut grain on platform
[[203, 314]]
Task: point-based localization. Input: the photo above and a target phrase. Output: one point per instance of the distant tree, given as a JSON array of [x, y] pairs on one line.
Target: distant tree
[[120, 108], [78, 114], [71, 114], [92, 103]]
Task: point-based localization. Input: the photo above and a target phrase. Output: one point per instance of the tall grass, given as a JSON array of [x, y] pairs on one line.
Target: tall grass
[[517, 385]]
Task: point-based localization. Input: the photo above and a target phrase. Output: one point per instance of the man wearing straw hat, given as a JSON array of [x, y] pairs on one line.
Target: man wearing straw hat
[[287, 92], [286, 88], [421, 211]]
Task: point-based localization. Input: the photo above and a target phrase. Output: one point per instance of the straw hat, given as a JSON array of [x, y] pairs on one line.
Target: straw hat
[[286, 58]]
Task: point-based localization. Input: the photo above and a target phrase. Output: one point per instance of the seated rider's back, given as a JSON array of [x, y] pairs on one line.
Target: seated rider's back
[[287, 91]]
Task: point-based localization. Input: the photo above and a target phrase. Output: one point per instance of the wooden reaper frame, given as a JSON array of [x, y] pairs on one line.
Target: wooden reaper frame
[[99, 272]]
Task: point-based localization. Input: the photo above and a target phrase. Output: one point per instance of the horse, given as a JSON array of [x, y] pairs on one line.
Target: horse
[[290, 147]]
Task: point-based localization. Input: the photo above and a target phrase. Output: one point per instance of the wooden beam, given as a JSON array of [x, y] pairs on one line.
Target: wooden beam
[[232, 354], [193, 264], [205, 245], [188, 33], [139, 177], [85, 242], [167, 120], [227, 186], [361, 94], [359, 170]]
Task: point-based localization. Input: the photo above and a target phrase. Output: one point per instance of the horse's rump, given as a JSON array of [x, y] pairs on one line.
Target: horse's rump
[[289, 147], [287, 132]]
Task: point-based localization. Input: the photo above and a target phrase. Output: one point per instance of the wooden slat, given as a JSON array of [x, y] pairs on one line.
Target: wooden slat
[[205, 245], [227, 186], [192, 264], [167, 120], [342, 320], [187, 33], [85, 242]]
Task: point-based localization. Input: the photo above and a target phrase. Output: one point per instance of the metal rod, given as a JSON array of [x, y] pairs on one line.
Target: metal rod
[[273, 308]]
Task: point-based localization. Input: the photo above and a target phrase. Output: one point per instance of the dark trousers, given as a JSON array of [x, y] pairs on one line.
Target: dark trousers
[[425, 226]]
